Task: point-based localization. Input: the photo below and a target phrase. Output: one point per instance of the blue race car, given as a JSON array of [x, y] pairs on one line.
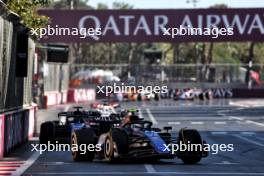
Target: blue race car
[[61, 130], [137, 139]]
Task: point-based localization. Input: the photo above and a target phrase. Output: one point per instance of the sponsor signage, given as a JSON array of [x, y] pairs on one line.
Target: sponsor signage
[[148, 25], [81, 95]]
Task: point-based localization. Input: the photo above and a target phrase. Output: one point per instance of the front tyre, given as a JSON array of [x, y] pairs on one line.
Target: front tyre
[[116, 143], [190, 136]]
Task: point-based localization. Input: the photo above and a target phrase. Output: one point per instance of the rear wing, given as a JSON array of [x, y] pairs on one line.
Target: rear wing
[[79, 113]]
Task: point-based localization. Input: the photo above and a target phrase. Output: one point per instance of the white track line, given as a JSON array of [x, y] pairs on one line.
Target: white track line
[[235, 118], [249, 140], [32, 158], [150, 168], [218, 132], [253, 122], [247, 133], [151, 117], [220, 122], [246, 121], [140, 114], [260, 138], [27, 164], [177, 117], [239, 104], [174, 123], [225, 163], [197, 123]]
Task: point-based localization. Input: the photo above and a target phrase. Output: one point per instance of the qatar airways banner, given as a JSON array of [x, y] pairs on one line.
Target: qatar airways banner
[[178, 25]]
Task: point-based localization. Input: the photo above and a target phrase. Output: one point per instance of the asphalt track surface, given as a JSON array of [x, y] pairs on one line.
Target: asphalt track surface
[[218, 121]]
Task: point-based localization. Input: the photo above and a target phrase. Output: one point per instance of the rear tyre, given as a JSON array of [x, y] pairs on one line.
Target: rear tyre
[[209, 95], [157, 97], [81, 137], [193, 137], [47, 133], [116, 142], [139, 97], [201, 96]]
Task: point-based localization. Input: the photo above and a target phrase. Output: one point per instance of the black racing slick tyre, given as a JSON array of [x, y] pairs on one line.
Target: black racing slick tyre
[[190, 136], [116, 142], [121, 139], [82, 137], [201, 96], [209, 95], [139, 97], [157, 97], [47, 133]]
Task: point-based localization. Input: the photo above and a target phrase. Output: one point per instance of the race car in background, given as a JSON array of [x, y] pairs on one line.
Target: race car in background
[[106, 110], [60, 130], [192, 94], [99, 104], [137, 139], [143, 96]]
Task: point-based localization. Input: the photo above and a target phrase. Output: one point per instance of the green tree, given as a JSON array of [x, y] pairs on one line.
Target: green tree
[[121, 5], [27, 10], [102, 6]]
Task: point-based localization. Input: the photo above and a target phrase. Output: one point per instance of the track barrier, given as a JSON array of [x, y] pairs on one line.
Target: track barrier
[[81, 95], [16, 127], [71, 96]]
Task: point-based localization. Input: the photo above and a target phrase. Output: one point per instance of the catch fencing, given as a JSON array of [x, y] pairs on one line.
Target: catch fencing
[[55, 77], [182, 75], [14, 91]]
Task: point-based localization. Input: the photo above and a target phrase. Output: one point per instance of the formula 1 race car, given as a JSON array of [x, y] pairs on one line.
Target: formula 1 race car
[[96, 105], [106, 110], [192, 94], [137, 140], [60, 130]]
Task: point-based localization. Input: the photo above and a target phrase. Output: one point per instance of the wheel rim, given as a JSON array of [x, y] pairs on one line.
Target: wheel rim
[[107, 148], [74, 153]]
